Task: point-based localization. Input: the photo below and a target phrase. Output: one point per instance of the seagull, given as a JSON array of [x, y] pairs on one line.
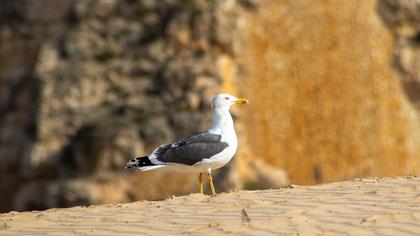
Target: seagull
[[200, 153]]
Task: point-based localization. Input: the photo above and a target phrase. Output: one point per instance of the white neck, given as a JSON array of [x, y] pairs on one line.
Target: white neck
[[222, 121]]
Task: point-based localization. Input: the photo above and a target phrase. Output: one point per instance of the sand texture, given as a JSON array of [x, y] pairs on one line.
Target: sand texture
[[374, 206]]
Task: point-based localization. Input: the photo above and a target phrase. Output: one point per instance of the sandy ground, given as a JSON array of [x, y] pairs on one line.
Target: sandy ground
[[375, 206]]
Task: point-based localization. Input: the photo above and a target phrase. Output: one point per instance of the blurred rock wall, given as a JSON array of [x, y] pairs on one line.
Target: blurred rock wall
[[402, 17], [24, 28], [324, 79], [88, 84]]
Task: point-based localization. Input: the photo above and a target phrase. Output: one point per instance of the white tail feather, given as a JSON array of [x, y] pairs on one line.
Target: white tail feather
[[146, 168]]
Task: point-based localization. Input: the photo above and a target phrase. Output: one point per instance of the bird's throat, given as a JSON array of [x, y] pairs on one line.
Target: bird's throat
[[222, 121]]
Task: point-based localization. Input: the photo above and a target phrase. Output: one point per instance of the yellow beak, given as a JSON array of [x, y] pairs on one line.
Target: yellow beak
[[242, 101]]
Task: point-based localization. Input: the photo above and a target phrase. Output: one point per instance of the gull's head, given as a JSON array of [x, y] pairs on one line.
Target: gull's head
[[224, 100]]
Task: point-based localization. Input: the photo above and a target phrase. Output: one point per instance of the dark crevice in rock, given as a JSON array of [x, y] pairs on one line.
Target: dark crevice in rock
[[413, 90], [415, 39]]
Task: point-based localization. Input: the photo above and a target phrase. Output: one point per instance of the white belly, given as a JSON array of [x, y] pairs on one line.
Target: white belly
[[217, 161]]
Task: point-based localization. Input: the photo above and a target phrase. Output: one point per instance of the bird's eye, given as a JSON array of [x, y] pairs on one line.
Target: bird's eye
[[226, 98]]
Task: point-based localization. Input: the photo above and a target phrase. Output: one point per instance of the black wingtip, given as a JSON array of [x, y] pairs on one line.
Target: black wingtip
[[138, 162]]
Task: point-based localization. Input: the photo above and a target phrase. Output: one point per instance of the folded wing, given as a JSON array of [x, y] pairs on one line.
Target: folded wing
[[191, 150]]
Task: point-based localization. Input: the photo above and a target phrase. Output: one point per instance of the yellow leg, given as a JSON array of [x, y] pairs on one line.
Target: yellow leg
[[200, 179], [210, 180]]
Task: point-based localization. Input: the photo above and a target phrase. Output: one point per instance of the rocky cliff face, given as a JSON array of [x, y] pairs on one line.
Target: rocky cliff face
[[329, 105], [24, 27], [402, 17], [87, 85]]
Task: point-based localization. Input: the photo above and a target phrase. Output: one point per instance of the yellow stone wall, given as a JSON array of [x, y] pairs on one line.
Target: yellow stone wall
[[326, 104]]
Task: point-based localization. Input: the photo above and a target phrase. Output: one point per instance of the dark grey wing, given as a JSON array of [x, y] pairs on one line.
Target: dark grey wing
[[192, 149]]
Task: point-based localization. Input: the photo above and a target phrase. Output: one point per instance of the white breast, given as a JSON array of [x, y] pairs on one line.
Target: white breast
[[223, 157], [223, 125]]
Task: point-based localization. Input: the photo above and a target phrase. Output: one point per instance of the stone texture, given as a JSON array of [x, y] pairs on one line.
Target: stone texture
[[328, 104], [24, 26], [90, 84], [402, 17]]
